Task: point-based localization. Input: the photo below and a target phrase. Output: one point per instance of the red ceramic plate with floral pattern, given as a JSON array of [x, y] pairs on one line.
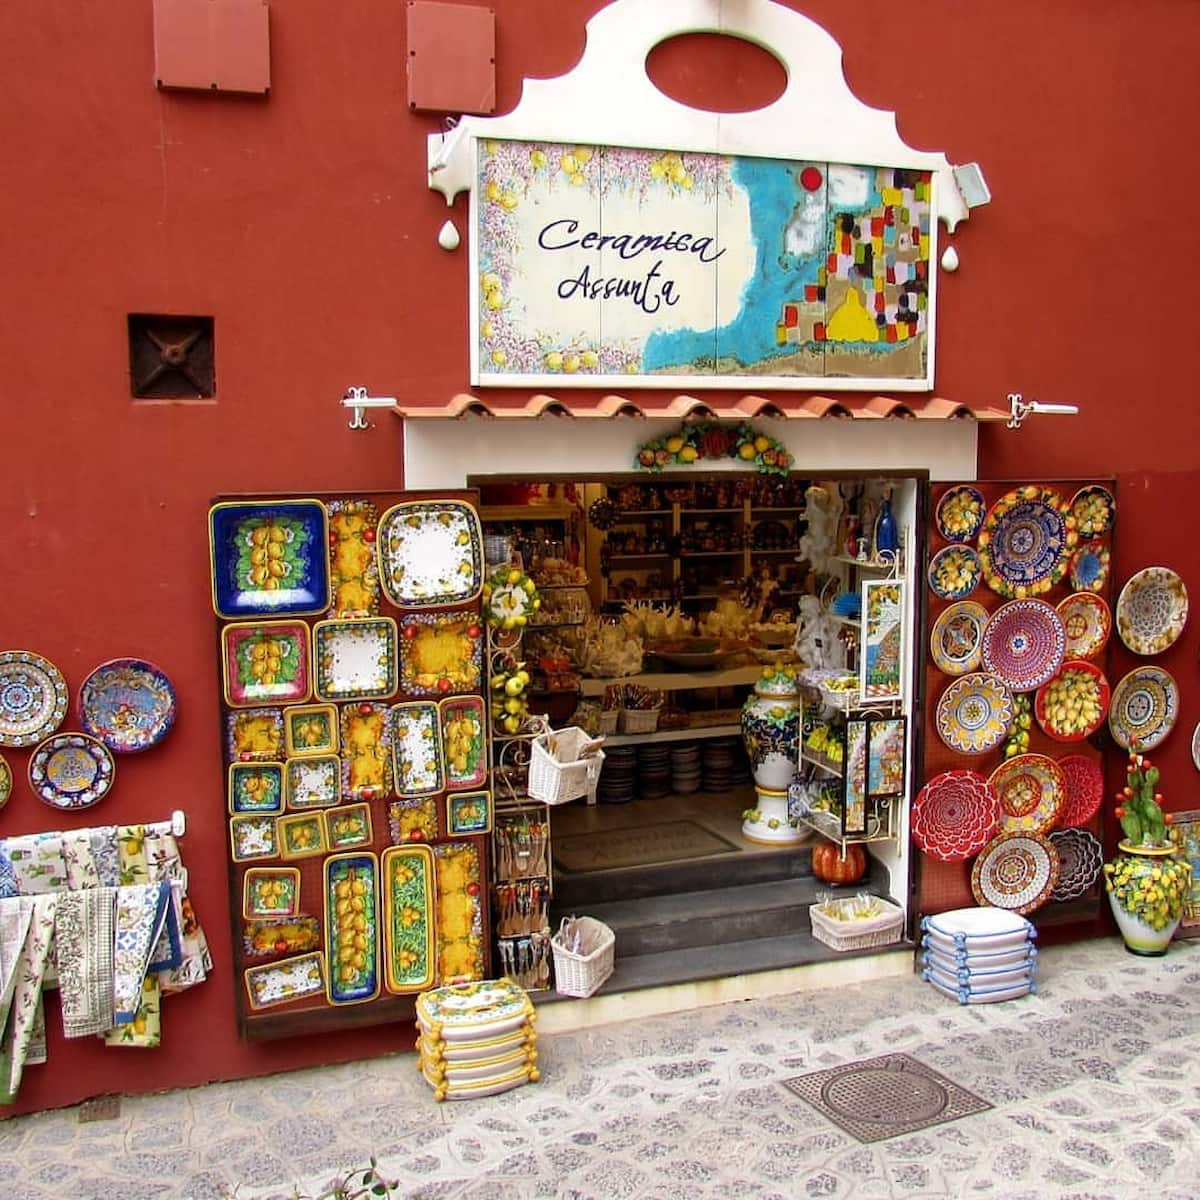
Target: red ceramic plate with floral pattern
[[1016, 871], [1085, 789], [1031, 788], [1024, 643], [955, 815]]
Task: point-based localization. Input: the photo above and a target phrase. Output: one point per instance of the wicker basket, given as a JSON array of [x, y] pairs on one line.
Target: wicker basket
[[580, 973], [560, 780], [858, 934], [639, 720], [608, 720]]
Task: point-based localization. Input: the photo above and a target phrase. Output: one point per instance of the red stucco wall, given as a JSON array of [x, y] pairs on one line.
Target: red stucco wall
[[302, 224]]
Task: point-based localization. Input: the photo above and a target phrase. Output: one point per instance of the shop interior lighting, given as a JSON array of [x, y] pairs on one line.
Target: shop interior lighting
[[1020, 409], [357, 399]]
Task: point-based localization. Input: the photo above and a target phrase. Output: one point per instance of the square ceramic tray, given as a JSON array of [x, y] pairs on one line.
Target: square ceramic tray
[[301, 835], [312, 782], [265, 662], [269, 558], [355, 659], [255, 787], [310, 729], [348, 826], [468, 813], [430, 553], [271, 892], [254, 735], [253, 837], [441, 653]]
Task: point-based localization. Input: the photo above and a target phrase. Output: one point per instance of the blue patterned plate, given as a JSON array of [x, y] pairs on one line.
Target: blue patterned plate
[[954, 572], [1025, 545], [960, 513], [128, 704]]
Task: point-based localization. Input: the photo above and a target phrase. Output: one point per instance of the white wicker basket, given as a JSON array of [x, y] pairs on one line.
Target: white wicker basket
[[858, 934], [639, 720], [580, 973], [561, 779]]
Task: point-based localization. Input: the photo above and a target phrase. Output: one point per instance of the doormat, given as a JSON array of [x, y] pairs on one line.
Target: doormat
[[883, 1097], [638, 846]]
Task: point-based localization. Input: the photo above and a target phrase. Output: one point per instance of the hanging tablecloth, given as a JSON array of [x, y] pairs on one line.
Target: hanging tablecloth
[[83, 940], [29, 963]]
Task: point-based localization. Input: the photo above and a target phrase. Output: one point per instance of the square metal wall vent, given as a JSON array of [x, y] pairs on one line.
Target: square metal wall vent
[[213, 45], [171, 358], [451, 57]]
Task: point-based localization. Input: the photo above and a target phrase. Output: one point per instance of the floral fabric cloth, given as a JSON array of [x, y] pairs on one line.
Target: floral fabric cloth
[[141, 911], [103, 839], [28, 968], [80, 864], [37, 861], [195, 961], [83, 938], [8, 876]]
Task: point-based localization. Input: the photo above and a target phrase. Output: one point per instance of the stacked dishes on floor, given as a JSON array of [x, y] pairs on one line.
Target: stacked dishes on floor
[[980, 955], [618, 777], [476, 1039], [718, 764], [685, 768], [654, 771]]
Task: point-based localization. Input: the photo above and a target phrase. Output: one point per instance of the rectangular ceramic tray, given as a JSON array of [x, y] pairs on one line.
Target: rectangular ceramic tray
[[409, 918], [464, 741], [416, 748], [310, 729], [270, 937], [366, 751], [461, 955], [353, 563], [284, 981], [352, 926], [255, 787]]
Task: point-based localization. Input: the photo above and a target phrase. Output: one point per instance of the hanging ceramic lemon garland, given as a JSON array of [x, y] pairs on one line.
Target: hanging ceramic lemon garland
[[695, 442], [510, 598]]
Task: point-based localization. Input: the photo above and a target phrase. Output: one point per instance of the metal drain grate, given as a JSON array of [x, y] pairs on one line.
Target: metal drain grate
[[884, 1097], [100, 1108]]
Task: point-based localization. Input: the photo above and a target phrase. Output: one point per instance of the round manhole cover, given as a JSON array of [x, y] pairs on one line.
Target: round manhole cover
[[885, 1096]]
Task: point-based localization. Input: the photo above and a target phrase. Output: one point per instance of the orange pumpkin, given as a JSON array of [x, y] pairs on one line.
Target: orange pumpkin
[[829, 866]]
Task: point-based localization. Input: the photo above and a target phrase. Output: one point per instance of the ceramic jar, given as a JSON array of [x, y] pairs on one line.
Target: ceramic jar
[[771, 728], [768, 821], [1146, 888]]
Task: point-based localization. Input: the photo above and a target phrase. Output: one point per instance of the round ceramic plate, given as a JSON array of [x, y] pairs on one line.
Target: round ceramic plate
[[1085, 789], [1089, 569], [1023, 644], [5, 782], [1196, 746], [954, 572], [1094, 510], [954, 642], [1025, 544], [1144, 708], [33, 698], [1152, 610], [960, 514], [1080, 859], [1031, 789], [955, 815], [128, 704], [1016, 871], [1087, 621], [1073, 705], [71, 770], [974, 713]]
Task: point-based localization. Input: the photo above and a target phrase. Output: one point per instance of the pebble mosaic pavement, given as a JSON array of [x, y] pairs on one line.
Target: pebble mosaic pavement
[[1095, 1082]]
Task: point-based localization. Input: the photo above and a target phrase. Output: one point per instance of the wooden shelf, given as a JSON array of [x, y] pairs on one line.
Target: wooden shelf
[[710, 554], [865, 564], [526, 512], [672, 735], [678, 681], [821, 764]]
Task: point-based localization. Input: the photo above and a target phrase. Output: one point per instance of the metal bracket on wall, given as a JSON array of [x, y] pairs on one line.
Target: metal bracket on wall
[[1020, 409], [357, 399]]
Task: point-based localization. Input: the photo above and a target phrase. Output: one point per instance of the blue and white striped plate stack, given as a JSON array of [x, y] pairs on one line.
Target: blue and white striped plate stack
[[980, 955]]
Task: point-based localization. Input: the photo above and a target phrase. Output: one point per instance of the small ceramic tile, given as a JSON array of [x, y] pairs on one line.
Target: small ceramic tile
[[253, 837], [412, 819], [310, 729], [301, 835], [271, 892], [255, 787], [468, 812], [348, 826], [312, 782], [254, 735]]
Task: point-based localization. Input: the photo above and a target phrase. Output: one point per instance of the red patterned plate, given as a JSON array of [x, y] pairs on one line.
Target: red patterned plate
[[1087, 620], [1016, 871], [1073, 705], [1031, 788], [1085, 789], [1024, 643], [954, 815]]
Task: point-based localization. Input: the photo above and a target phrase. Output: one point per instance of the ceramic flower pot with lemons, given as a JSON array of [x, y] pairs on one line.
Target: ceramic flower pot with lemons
[[1146, 887]]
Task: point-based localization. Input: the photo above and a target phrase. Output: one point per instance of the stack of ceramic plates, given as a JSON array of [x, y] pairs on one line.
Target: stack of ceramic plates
[[980, 955], [685, 767], [618, 777], [717, 763], [476, 1039], [654, 770]]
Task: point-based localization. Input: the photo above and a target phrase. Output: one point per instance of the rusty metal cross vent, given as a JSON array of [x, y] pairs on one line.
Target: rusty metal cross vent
[[171, 357]]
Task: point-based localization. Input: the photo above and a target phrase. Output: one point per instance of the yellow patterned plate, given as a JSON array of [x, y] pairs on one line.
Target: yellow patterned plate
[[1032, 789], [1087, 620], [957, 637], [974, 713]]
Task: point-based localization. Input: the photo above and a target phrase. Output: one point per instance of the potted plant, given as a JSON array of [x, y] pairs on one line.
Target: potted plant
[[1149, 878]]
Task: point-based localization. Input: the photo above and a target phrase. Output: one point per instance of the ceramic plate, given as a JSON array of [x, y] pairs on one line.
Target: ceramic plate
[[440, 654], [265, 662], [1031, 789], [289, 979], [1087, 621], [956, 638], [1015, 871], [1023, 644], [352, 926], [310, 729], [954, 572], [960, 514], [313, 782], [1025, 545], [461, 953], [1152, 610], [974, 713], [5, 781], [510, 599], [128, 704], [301, 835], [409, 918], [1196, 747], [464, 742], [254, 735], [33, 698], [269, 558], [353, 564], [348, 826], [1089, 568], [981, 930], [417, 748], [1144, 708], [1073, 705], [71, 770], [253, 837], [1085, 789], [255, 787], [430, 553], [355, 660], [271, 892], [1094, 510], [955, 815], [1080, 861], [468, 813], [366, 752]]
